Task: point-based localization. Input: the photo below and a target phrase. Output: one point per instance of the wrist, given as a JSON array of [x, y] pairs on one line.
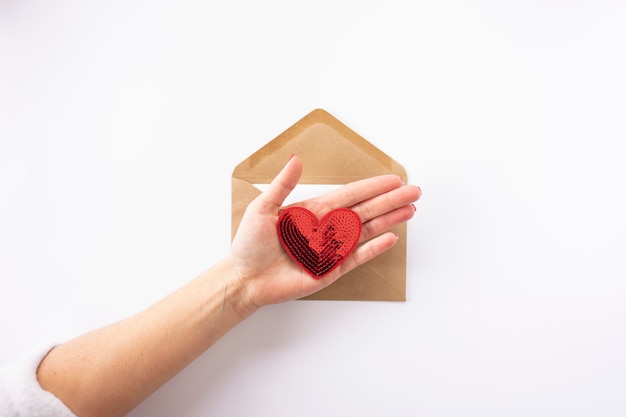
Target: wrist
[[236, 292]]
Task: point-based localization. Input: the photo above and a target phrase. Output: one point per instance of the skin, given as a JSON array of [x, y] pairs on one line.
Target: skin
[[111, 370]]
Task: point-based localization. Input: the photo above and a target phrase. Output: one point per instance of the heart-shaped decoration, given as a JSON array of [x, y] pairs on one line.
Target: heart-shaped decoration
[[318, 246]]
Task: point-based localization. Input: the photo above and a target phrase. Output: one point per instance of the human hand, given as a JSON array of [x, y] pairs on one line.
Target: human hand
[[268, 275]]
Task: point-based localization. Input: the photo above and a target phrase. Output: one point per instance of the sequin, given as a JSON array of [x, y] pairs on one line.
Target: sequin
[[318, 246]]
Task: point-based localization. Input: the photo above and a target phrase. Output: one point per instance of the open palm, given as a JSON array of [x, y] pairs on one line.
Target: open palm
[[271, 276]]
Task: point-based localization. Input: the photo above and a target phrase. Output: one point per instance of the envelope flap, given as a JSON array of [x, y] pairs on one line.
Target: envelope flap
[[331, 152]]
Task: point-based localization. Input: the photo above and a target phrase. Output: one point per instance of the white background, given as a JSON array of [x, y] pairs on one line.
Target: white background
[[121, 122]]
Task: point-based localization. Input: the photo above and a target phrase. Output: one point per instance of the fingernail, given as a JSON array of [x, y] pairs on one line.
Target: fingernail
[[414, 208], [397, 237], [291, 156], [419, 189]]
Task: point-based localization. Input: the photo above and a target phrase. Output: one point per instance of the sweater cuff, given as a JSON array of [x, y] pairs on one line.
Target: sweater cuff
[[20, 392]]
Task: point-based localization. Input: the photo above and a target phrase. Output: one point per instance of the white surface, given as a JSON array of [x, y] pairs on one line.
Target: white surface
[[120, 124]]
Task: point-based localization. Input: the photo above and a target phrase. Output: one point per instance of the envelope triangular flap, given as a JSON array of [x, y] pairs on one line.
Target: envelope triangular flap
[[331, 153]]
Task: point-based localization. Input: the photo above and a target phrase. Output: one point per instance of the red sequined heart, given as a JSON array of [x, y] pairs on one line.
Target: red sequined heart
[[318, 246]]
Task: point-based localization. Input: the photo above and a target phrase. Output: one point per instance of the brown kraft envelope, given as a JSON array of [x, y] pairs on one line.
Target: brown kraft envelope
[[331, 153]]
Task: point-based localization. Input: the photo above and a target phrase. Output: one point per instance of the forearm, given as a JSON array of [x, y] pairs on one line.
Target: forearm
[[111, 370]]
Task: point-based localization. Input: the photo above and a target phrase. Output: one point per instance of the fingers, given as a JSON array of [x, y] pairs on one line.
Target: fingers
[[384, 203], [381, 202], [283, 183], [378, 215], [385, 222], [355, 192], [368, 251]]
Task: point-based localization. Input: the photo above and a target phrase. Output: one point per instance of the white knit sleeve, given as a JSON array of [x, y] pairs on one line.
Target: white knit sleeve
[[20, 392]]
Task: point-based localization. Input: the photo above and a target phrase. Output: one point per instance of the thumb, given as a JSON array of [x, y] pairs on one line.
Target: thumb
[[284, 182]]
